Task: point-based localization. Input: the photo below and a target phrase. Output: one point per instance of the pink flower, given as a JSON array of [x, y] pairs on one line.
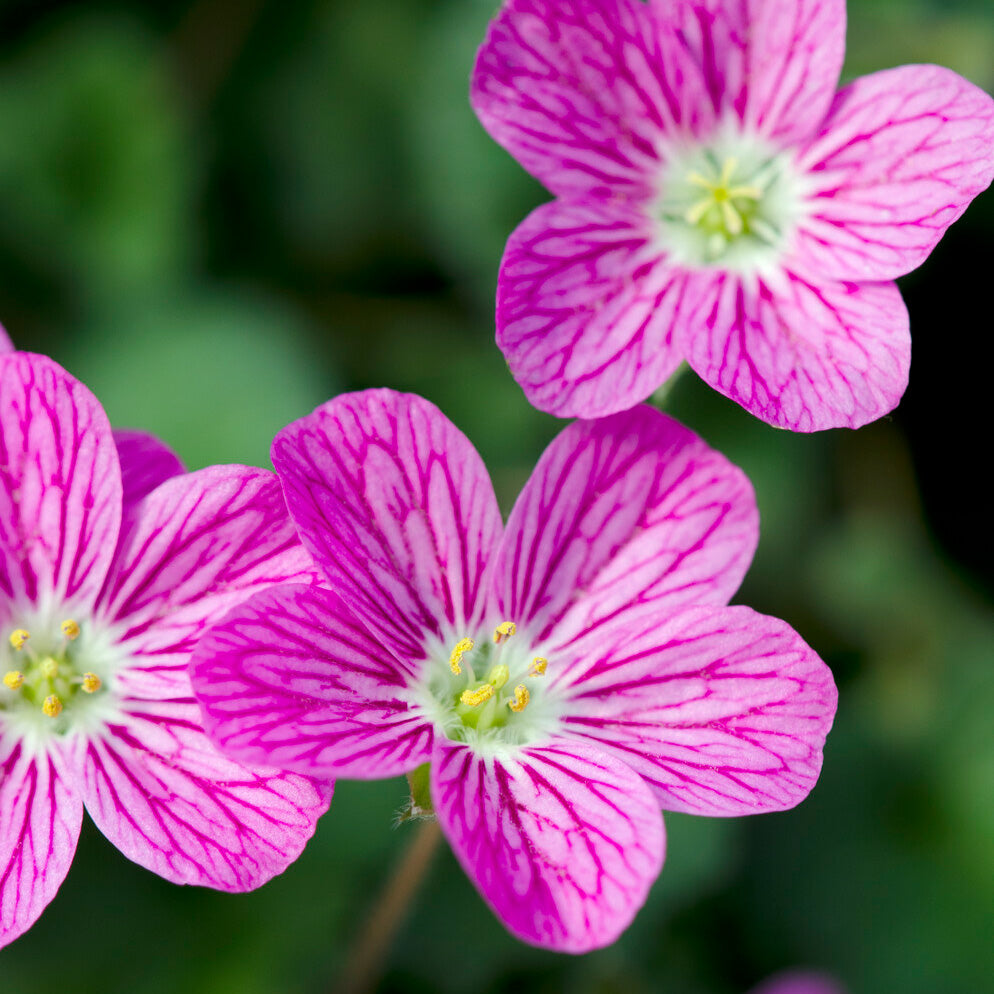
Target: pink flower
[[112, 563], [6, 345], [565, 676], [799, 983], [718, 202]]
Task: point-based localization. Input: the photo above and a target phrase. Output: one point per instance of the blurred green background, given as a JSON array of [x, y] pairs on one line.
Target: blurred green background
[[220, 213]]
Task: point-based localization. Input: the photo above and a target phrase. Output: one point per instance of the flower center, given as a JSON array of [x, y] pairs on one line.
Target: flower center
[[731, 204], [490, 690], [46, 673]]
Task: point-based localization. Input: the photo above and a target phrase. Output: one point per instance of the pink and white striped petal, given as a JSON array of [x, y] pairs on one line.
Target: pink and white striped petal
[[581, 92], [291, 679], [631, 509], [60, 484], [773, 64], [40, 817], [203, 542], [145, 463], [585, 307], [722, 711], [562, 841], [396, 507], [898, 160], [801, 354], [161, 793]]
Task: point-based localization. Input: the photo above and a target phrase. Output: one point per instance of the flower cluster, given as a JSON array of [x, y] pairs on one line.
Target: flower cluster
[[195, 657]]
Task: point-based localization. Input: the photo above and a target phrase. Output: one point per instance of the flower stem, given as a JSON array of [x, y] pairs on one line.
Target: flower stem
[[368, 957]]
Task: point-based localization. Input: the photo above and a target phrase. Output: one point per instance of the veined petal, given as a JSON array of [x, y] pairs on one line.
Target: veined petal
[[723, 711], [158, 789], [774, 64], [396, 507], [585, 307], [40, 817], [60, 484], [292, 679], [631, 509], [802, 355], [562, 841], [899, 158], [581, 92], [202, 543], [145, 463], [6, 345]]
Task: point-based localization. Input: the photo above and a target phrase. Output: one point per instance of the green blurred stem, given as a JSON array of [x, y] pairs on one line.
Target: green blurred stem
[[662, 395], [369, 955]]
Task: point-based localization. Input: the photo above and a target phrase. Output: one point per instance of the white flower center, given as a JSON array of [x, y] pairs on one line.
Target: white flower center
[[55, 676], [732, 204], [488, 692]]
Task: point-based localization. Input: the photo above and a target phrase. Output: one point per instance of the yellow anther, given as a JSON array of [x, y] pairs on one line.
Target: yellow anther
[[474, 698], [49, 668], [537, 668], [504, 631], [52, 706], [521, 696], [70, 629], [13, 680], [462, 647], [498, 676], [91, 683], [19, 637]]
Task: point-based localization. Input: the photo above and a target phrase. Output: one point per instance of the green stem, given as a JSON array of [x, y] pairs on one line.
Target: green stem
[[368, 958]]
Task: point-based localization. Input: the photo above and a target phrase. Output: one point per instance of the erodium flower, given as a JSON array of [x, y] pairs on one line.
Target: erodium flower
[[566, 676], [112, 563], [718, 202]]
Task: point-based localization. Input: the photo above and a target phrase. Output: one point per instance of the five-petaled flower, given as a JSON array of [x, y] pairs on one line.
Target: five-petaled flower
[[565, 677], [718, 202], [112, 563]]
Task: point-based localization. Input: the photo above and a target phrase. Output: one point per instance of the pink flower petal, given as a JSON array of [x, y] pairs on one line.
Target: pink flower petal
[[203, 543], [900, 157], [291, 679], [774, 64], [40, 816], [157, 788], [6, 345], [397, 509], [802, 354], [562, 841], [585, 308], [580, 91], [60, 484], [722, 710], [145, 463], [631, 509]]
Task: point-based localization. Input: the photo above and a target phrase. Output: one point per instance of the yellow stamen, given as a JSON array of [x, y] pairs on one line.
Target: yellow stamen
[[473, 698], [49, 668], [521, 696], [13, 680], [19, 637], [70, 629], [498, 676], [504, 631], [91, 683], [462, 647], [694, 215], [537, 668], [52, 706]]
